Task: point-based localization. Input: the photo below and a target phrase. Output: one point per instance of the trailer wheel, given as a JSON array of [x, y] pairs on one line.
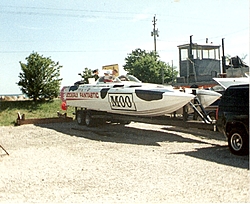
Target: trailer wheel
[[80, 117], [89, 121]]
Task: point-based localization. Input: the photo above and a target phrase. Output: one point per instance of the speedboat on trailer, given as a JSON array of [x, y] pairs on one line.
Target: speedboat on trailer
[[135, 99], [206, 97]]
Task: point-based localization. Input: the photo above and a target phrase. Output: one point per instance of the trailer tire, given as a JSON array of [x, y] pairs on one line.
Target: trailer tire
[[80, 117], [89, 120]]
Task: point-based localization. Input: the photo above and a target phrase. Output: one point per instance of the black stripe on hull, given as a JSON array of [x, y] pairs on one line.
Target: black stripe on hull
[[104, 92], [149, 95]]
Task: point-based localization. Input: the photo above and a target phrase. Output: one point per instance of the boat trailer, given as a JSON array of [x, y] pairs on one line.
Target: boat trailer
[[202, 112], [93, 118]]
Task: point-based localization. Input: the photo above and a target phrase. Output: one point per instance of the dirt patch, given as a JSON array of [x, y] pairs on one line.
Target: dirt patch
[[136, 163]]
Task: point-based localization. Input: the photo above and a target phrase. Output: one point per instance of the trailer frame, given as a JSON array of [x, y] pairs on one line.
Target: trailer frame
[[92, 118]]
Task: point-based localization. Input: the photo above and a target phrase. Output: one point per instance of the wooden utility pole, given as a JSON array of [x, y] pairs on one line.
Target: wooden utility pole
[[223, 58], [172, 72], [155, 32]]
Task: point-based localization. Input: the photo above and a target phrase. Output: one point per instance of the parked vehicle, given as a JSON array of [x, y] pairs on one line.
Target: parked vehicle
[[233, 118], [229, 81]]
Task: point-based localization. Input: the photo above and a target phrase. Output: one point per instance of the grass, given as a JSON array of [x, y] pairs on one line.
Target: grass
[[31, 109]]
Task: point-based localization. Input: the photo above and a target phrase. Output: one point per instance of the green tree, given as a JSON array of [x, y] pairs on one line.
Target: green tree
[[147, 67], [39, 78], [87, 73]]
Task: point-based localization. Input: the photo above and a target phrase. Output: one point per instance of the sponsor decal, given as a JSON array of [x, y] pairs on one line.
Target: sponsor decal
[[89, 95], [82, 95], [72, 95], [121, 102]]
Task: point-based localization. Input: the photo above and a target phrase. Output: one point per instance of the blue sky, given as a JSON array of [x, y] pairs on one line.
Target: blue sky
[[93, 33]]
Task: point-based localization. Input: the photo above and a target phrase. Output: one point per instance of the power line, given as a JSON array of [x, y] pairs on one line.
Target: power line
[[61, 51], [80, 10], [80, 15], [77, 13], [68, 15]]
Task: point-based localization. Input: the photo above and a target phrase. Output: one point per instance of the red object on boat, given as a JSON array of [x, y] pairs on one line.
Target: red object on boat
[[64, 106]]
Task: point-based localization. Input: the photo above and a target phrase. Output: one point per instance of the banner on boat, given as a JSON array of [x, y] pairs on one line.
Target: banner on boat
[[112, 67]]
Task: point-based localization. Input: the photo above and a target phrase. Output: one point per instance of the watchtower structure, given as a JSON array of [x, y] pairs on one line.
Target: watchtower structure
[[198, 64]]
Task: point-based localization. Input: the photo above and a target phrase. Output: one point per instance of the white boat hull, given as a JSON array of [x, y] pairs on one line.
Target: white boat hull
[[125, 99], [206, 97]]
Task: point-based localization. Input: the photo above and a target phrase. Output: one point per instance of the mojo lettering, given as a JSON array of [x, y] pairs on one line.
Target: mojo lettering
[[82, 95]]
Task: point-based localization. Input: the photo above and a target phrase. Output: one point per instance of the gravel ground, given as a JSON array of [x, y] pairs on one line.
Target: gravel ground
[[137, 163]]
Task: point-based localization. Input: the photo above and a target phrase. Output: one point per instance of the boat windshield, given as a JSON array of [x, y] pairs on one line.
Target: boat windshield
[[108, 79], [119, 79], [129, 78]]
